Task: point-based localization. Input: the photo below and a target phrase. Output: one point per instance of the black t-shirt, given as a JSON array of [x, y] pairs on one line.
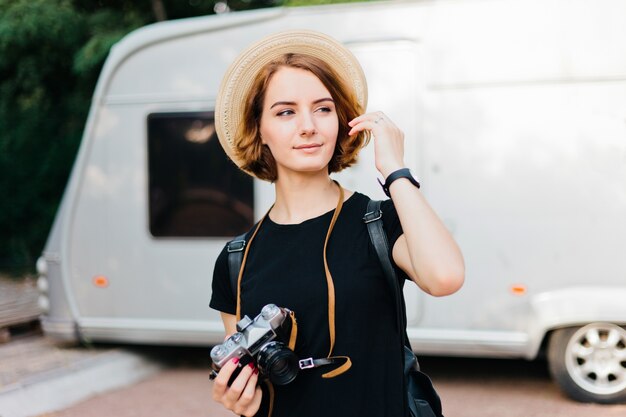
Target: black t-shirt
[[285, 267]]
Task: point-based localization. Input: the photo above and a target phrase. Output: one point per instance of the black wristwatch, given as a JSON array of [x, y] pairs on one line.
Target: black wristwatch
[[400, 173]]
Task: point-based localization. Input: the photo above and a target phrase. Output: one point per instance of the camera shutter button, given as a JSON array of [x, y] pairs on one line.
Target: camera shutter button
[[269, 311], [218, 353]]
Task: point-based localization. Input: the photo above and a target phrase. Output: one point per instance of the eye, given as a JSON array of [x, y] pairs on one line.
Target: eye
[[286, 112], [325, 109]]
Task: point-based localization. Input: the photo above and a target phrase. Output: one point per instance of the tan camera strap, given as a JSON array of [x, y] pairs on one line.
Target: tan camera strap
[[331, 295], [331, 305], [294, 331]]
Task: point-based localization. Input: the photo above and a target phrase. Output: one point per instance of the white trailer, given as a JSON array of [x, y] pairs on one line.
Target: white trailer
[[514, 113]]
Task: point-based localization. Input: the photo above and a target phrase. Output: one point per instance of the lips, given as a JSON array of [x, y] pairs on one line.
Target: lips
[[308, 146]]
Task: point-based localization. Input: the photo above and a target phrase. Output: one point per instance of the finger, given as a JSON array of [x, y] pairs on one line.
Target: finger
[[249, 391], [220, 384], [255, 404], [363, 117], [238, 385], [247, 396], [361, 126]]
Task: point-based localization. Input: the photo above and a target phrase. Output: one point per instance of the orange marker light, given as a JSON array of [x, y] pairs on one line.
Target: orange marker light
[[100, 281], [519, 289]]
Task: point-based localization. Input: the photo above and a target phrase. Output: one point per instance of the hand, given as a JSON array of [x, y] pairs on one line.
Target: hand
[[388, 140], [243, 397]]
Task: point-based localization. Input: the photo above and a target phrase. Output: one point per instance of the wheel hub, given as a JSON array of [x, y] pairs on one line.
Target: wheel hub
[[596, 358]]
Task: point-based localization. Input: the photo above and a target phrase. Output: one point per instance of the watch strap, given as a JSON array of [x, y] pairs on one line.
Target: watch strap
[[400, 173]]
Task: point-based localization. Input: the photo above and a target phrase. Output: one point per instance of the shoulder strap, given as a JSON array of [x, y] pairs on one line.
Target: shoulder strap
[[235, 256], [373, 221]]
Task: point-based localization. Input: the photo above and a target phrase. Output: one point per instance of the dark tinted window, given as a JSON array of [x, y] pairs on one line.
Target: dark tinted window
[[194, 189]]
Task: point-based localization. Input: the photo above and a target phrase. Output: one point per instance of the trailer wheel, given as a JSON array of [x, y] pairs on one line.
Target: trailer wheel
[[589, 363]]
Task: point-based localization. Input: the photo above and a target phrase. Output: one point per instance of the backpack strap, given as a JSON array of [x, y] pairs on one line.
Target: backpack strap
[[235, 257], [373, 220]]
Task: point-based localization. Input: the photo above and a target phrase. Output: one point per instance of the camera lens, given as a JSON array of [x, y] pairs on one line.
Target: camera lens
[[278, 363]]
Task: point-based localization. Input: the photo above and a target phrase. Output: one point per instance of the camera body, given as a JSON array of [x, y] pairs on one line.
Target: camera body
[[263, 342]]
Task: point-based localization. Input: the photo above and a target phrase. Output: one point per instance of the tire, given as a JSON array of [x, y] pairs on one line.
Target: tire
[[589, 363]]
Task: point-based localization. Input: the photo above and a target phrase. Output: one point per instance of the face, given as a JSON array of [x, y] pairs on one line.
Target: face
[[299, 122]]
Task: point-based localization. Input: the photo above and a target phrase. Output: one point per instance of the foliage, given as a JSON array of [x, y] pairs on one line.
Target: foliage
[[40, 120]]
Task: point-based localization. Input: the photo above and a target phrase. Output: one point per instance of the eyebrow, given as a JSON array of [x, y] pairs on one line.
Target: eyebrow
[[293, 103]]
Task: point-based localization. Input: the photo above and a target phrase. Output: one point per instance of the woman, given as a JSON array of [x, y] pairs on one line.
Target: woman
[[290, 111]]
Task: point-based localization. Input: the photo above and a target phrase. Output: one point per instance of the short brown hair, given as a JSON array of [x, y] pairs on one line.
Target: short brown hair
[[257, 158]]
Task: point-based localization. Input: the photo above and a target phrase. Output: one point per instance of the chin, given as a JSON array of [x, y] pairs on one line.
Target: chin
[[309, 168], [310, 165]]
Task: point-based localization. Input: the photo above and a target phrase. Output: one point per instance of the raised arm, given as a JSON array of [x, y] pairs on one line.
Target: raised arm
[[426, 251]]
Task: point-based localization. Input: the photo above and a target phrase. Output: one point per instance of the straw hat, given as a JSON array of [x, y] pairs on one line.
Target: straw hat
[[240, 75]]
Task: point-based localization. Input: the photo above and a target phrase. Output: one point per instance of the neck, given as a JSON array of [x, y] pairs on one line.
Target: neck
[[299, 198]]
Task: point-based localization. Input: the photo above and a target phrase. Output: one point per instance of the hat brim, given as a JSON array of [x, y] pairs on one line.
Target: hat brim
[[240, 75]]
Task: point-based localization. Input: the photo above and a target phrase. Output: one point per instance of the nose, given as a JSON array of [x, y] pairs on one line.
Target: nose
[[307, 125]]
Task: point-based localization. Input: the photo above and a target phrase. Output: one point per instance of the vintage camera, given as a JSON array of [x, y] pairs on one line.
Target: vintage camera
[[264, 342]]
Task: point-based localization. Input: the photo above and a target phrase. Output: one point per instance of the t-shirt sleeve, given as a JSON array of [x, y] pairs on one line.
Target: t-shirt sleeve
[[391, 222], [222, 294], [393, 229]]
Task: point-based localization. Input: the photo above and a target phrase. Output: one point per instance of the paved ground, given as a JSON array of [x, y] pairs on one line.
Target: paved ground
[[469, 388], [29, 357], [37, 376], [505, 388]]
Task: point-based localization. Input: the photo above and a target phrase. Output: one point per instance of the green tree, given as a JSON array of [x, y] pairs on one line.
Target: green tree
[[40, 119], [51, 52]]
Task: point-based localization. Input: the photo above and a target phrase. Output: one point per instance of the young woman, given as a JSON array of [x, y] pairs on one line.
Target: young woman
[[291, 111]]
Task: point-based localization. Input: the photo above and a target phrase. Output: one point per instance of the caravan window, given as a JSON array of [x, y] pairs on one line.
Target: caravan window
[[194, 189]]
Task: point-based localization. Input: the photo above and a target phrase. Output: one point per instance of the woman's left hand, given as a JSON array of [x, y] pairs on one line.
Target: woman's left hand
[[388, 140]]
